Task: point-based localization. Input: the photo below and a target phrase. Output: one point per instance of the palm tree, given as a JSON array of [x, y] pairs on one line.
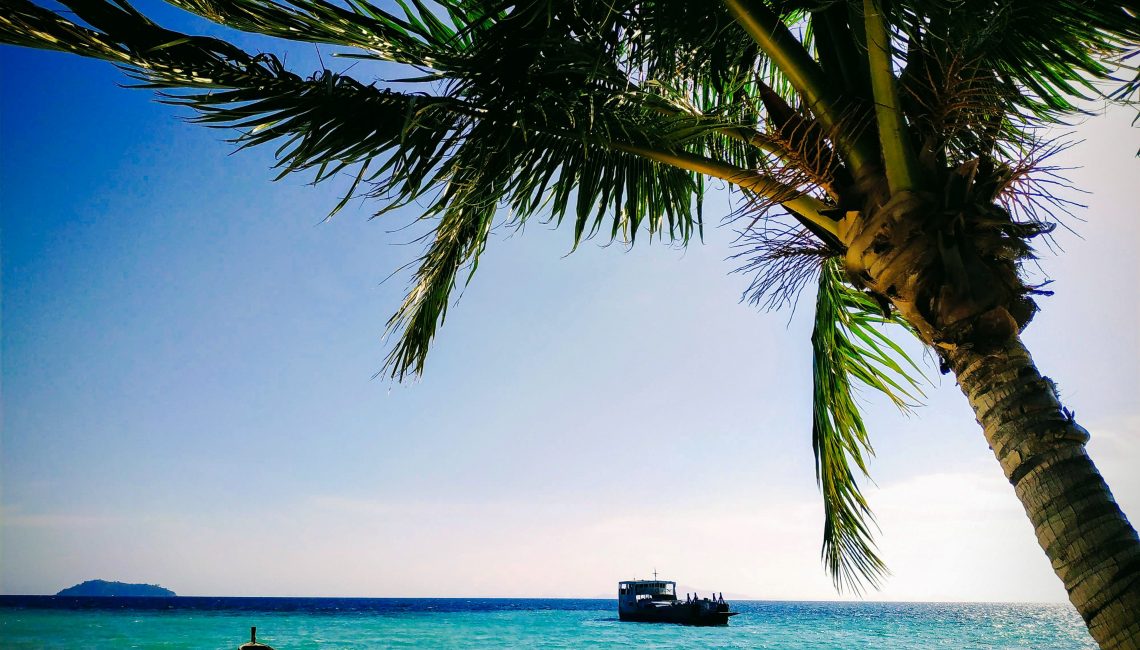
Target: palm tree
[[897, 142]]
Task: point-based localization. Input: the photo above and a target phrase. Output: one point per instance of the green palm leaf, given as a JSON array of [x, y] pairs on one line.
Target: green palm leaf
[[1048, 55], [849, 349]]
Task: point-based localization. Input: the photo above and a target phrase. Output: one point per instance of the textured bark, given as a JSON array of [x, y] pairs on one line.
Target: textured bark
[[950, 271], [1092, 546]]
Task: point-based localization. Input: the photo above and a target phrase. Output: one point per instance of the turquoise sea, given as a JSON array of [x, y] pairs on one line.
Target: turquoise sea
[[295, 623]]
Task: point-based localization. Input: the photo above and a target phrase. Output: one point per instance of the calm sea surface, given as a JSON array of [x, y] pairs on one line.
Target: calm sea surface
[[294, 623]]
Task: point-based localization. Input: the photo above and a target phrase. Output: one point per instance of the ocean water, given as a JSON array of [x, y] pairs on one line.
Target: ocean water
[[295, 623]]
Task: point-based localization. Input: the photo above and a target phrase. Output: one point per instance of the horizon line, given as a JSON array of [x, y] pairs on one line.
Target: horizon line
[[735, 598]]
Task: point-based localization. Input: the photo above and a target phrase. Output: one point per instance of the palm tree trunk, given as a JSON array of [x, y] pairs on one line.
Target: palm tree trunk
[[1093, 548]]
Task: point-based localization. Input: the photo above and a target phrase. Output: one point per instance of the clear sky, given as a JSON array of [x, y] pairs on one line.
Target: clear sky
[[188, 397]]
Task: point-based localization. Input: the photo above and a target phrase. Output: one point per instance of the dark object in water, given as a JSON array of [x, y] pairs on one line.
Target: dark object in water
[[655, 601], [253, 644]]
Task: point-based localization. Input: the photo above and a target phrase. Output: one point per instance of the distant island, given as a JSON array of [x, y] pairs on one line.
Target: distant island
[[105, 588]]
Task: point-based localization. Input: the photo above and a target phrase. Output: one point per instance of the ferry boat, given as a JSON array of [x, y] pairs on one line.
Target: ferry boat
[[655, 601]]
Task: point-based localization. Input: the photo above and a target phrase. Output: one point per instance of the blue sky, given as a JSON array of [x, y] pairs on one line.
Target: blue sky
[[188, 398]]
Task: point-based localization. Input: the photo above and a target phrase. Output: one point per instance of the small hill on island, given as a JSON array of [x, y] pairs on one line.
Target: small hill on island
[[105, 588]]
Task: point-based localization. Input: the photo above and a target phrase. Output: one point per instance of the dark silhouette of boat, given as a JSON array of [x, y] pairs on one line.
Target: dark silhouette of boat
[[655, 601], [253, 644]]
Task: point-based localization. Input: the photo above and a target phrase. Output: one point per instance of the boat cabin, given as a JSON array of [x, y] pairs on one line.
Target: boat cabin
[[631, 591]]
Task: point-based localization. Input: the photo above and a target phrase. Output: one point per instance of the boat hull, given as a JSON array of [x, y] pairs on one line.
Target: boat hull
[[680, 613]]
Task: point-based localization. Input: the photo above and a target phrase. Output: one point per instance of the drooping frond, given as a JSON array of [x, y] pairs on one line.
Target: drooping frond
[[458, 241], [849, 349]]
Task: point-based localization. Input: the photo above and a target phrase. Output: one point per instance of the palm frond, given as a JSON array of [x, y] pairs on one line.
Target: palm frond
[[459, 239], [782, 259], [850, 349], [1048, 54], [408, 39], [841, 48], [894, 139], [957, 109], [1129, 91], [1034, 191], [821, 94], [121, 35]]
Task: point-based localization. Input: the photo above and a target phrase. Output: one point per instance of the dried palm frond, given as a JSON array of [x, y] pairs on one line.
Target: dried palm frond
[[1033, 191], [782, 259], [957, 108]]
